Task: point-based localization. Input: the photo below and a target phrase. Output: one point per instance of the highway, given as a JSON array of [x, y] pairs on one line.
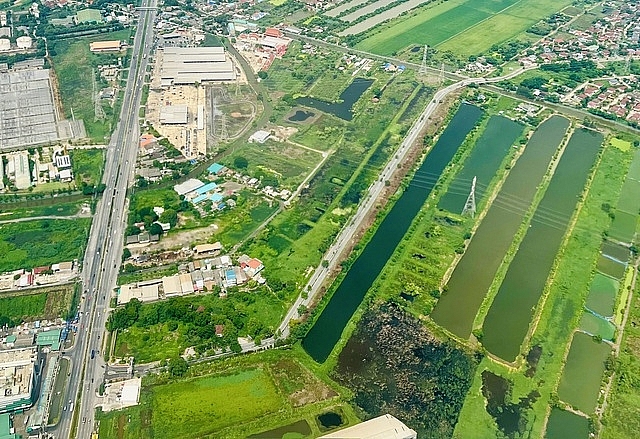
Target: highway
[[104, 250]]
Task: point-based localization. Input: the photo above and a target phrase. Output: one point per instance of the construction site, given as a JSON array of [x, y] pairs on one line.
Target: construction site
[[197, 98]]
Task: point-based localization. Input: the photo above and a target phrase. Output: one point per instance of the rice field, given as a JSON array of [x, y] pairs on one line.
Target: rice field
[[344, 7], [464, 27], [372, 22]]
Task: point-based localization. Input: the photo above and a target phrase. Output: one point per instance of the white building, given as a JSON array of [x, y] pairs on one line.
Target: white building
[[5, 45], [24, 42], [382, 427], [190, 65]]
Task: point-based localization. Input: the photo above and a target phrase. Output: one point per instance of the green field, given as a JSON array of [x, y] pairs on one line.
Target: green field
[[205, 405], [59, 209], [87, 165], [464, 27], [48, 303], [73, 64], [41, 242], [288, 164], [228, 399]]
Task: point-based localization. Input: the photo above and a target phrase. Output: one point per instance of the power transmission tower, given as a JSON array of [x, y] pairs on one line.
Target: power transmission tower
[[423, 66], [442, 74], [223, 128], [470, 205]]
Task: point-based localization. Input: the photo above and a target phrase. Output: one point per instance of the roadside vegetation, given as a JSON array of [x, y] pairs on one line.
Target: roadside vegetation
[[75, 67], [87, 166], [42, 242], [36, 304], [165, 329]]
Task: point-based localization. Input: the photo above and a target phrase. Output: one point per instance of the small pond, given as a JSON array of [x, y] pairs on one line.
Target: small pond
[[329, 420], [301, 116], [298, 429]]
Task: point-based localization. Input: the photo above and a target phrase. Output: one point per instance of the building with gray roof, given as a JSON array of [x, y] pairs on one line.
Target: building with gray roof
[[190, 65]]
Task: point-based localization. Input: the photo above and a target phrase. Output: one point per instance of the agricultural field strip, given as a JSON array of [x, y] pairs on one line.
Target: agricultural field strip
[[400, 33], [470, 28], [344, 7], [371, 7], [379, 18], [501, 27]]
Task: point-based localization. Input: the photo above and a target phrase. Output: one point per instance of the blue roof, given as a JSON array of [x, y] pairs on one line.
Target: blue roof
[[200, 198], [206, 188], [230, 274], [215, 197], [215, 168]]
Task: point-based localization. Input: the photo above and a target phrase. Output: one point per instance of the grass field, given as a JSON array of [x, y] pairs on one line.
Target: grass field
[[464, 27], [48, 303], [87, 165], [290, 164], [33, 243], [73, 64], [60, 209], [231, 398], [200, 406]]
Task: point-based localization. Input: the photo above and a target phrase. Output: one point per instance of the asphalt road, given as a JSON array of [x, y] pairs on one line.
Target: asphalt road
[[104, 250]]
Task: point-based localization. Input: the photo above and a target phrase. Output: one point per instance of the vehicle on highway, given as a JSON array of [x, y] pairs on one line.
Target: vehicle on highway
[[93, 354]]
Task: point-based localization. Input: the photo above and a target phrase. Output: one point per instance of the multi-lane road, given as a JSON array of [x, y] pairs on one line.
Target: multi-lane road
[[104, 250]]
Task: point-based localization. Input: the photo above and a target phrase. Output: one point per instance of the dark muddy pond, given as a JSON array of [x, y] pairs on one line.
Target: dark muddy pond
[[343, 108], [329, 420], [301, 116]]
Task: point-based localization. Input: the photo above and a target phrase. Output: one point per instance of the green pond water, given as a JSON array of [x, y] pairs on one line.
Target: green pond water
[[507, 321], [615, 251], [580, 381], [597, 326], [326, 331], [566, 425], [343, 107], [602, 295], [483, 162], [611, 267], [472, 277]]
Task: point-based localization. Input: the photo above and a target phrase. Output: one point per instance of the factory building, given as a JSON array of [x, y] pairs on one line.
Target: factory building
[[382, 427], [20, 371], [191, 65]]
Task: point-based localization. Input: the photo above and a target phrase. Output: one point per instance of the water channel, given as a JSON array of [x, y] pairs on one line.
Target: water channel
[[326, 331], [343, 108], [474, 273], [507, 321]]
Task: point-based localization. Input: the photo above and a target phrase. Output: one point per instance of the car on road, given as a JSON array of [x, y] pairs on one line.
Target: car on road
[[93, 354]]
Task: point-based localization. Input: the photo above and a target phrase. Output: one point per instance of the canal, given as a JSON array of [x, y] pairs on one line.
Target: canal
[[343, 108], [507, 321], [472, 277], [326, 331]]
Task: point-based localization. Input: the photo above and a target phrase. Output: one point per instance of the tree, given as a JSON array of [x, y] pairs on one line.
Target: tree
[[169, 216], [155, 229], [126, 254], [178, 367], [262, 74], [240, 162]]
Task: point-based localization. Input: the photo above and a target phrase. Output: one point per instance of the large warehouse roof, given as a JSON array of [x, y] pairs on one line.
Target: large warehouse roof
[[188, 65], [382, 427], [173, 114]]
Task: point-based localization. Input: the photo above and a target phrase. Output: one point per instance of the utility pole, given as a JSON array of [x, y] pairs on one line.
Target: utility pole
[[470, 205], [423, 66]]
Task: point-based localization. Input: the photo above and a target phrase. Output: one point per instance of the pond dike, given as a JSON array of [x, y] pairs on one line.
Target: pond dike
[[327, 330], [466, 289], [507, 322]]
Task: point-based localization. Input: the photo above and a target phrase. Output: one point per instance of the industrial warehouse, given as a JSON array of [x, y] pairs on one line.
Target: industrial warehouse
[[191, 65]]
